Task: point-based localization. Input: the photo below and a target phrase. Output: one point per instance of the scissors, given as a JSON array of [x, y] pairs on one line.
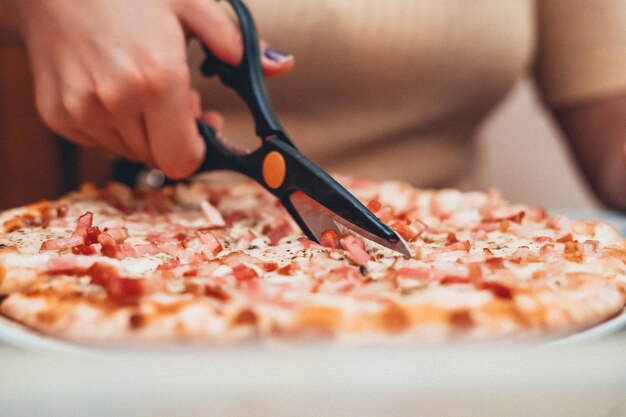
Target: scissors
[[312, 197]]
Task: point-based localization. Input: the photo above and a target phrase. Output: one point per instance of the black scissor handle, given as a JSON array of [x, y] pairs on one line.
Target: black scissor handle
[[247, 78]]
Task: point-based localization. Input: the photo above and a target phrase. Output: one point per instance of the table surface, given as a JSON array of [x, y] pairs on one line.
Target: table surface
[[579, 380]]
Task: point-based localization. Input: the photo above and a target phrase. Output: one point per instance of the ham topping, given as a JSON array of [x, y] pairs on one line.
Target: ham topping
[[244, 273], [408, 230], [421, 274], [212, 214], [118, 288], [212, 246], [279, 230], [245, 241], [356, 249], [329, 239], [78, 237]]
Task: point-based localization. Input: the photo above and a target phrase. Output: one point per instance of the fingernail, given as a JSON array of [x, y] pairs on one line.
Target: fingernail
[[276, 56]]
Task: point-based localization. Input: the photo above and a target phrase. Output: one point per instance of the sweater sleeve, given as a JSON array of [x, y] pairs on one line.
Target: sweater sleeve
[[582, 50]]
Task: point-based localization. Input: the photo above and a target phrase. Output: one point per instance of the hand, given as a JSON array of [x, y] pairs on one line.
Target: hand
[[596, 130], [113, 73]]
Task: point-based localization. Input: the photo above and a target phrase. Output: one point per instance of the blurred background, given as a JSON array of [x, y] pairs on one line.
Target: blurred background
[[520, 149]]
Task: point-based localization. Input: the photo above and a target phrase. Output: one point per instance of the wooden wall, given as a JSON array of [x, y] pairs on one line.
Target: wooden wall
[[34, 164]]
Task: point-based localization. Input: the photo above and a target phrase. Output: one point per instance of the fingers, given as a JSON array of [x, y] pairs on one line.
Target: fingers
[[76, 116], [274, 62], [209, 21], [196, 104], [175, 143], [214, 119], [221, 34]]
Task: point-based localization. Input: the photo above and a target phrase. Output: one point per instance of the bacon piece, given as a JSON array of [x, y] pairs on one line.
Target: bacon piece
[[343, 273], [542, 239], [408, 231], [356, 249], [420, 274], [289, 269], [488, 226], [451, 238], [245, 241], [279, 230], [78, 237], [374, 205], [442, 254], [516, 218], [306, 242], [119, 234], [92, 235], [169, 264], [107, 245], [118, 288], [417, 227], [212, 246], [329, 238], [521, 255], [61, 243], [115, 250], [62, 211], [565, 238], [503, 226], [560, 223], [244, 273], [270, 266], [385, 214], [474, 257], [454, 279], [84, 223], [156, 237], [474, 271], [458, 246], [124, 250], [146, 249], [234, 217], [546, 249], [212, 214], [63, 264], [193, 272], [591, 246], [480, 234], [216, 292], [573, 251], [83, 250], [495, 262], [497, 289], [535, 213]]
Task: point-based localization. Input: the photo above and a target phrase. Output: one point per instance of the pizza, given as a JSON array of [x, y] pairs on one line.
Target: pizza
[[223, 263]]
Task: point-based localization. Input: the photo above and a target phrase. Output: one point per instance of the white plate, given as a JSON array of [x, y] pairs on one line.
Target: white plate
[[15, 335]]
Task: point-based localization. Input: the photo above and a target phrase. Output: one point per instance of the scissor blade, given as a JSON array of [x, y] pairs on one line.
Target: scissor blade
[[318, 219]]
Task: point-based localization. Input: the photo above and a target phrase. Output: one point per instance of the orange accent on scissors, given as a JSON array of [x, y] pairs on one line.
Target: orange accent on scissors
[[274, 169]]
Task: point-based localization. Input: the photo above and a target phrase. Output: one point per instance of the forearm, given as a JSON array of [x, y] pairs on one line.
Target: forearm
[[597, 135], [9, 23]]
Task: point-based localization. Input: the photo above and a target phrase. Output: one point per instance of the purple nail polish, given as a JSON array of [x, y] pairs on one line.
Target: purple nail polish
[[275, 55]]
